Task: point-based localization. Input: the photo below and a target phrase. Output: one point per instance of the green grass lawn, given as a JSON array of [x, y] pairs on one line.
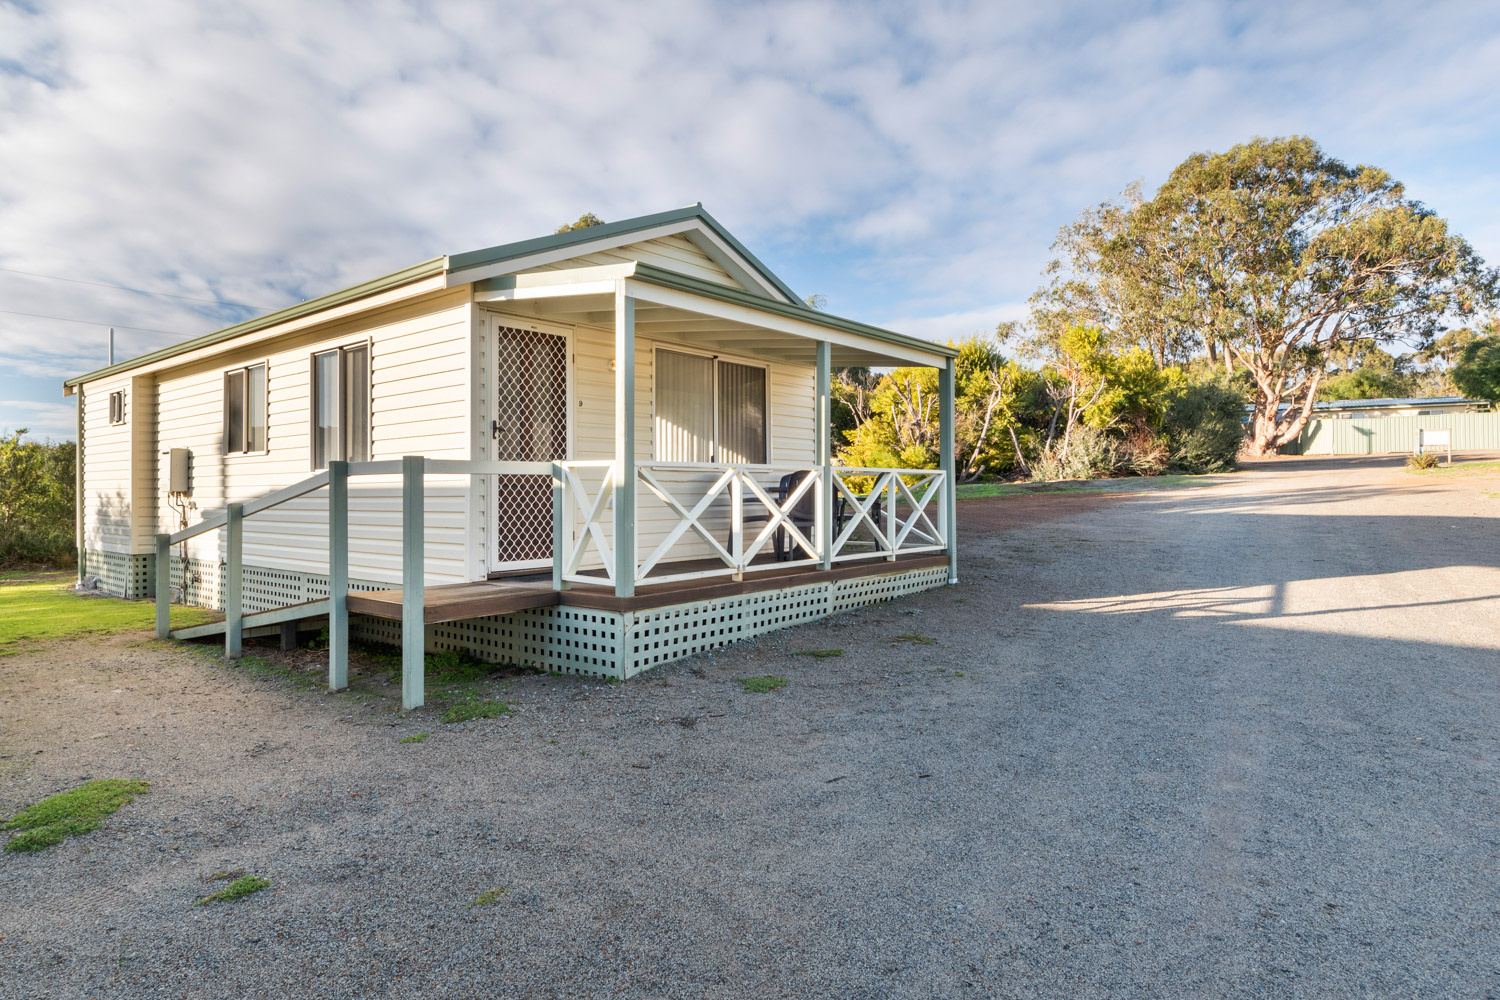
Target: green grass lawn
[[40, 606]]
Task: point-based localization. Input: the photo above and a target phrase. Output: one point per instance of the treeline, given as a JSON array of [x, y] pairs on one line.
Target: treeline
[[1251, 284], [1083, 412], [37, 495]]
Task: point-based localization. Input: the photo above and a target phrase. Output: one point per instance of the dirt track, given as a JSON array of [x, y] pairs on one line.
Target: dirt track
[[1235, 740]]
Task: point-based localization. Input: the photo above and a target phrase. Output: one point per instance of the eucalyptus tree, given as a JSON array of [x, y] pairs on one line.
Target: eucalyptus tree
[[1271, 255]]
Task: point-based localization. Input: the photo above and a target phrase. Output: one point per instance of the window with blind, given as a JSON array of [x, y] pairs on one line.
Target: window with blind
[[245, 410], [709, 410], [341, 406]]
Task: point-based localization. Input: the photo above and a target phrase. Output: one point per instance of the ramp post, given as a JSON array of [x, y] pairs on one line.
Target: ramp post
[[163, 586], [338, 576], [235, 528], [413, 571]]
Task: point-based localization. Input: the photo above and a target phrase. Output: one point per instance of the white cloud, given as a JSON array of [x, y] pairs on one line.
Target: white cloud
[[905, 159]]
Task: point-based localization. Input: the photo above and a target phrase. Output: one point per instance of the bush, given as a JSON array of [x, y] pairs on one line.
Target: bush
[[36, 502], [1424, 460], [1204, 426], [1091, 454]]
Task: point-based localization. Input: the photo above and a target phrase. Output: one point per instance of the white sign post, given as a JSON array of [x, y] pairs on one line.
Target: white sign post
[[1434, 441]]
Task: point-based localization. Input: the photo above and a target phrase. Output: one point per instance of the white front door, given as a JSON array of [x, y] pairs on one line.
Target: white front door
[[531, 424]]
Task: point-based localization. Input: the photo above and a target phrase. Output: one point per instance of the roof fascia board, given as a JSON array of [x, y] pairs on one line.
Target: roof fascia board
[[744, 252], [721, 253], [552, 255], [841, 334], [294, 319], [702, 229], [796, 312], [571, 238]]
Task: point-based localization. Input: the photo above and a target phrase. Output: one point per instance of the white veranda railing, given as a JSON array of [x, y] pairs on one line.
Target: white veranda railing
[[896, 508], [733, 517]]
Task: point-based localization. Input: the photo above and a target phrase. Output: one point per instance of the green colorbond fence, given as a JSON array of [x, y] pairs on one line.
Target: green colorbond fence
[[1384, 435]]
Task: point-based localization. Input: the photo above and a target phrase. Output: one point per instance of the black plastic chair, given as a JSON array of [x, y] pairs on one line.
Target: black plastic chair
[[804, 515]]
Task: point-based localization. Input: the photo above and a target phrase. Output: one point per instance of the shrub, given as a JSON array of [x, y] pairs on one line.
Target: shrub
[[1091, 453], [1204, 426], [1425, 460]]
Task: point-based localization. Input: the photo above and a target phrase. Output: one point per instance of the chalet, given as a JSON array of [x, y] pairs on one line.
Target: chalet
[[592, 452]]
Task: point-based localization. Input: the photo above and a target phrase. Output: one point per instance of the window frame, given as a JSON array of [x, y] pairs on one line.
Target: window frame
[[265, 408], [116, 394], [367, 345], [717, 357]]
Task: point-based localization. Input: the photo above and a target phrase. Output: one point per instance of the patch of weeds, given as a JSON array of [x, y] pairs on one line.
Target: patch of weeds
[[476, 708], [489, 896], [418, 738], [1426, 460], [70, 813], [238, 889], [448, 668], [958, 673], [764, 684], [915, 637], [821, 654], [261, 667]]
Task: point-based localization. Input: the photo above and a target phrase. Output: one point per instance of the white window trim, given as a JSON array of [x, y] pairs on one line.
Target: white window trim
[[265, 413], [312, 391], [735, 359], [112, 421]]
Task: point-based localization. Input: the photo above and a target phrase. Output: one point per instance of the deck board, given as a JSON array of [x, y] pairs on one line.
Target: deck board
[[457, 601]]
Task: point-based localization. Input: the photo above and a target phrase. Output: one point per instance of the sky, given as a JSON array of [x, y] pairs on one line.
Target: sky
[[911, 162]]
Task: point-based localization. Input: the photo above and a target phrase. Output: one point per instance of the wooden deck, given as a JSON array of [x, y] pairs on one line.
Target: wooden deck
[[457, 601], [503, 596]]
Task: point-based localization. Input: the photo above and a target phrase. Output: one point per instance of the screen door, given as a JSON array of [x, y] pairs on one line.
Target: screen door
[[531, 425]]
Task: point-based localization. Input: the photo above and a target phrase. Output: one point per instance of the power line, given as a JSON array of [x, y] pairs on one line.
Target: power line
[[126, 288], [89, 322]]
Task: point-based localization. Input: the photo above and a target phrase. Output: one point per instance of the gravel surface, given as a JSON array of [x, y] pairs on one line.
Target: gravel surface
[[1234, 740]]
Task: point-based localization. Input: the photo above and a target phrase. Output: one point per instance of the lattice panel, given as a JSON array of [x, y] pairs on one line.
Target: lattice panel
[[858, 592], [142, 580], [121, 573], [531, 425], [369, 629], [201, 586], [562, 639], [667, 634]]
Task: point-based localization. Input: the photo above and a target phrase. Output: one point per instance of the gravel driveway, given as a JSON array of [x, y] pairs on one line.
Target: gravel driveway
[[1235, 739]]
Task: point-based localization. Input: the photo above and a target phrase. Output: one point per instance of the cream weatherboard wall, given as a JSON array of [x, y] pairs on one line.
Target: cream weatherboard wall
[[116, 533], [420, 405]]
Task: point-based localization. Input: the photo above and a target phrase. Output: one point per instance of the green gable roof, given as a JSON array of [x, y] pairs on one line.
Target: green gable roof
[[574, 237], [511, 251]]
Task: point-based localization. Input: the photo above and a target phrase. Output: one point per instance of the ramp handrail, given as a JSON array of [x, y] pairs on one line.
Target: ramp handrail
[[413, 470]]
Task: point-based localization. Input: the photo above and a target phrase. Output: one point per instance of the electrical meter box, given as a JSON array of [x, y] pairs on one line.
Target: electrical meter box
[[181, 479]]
